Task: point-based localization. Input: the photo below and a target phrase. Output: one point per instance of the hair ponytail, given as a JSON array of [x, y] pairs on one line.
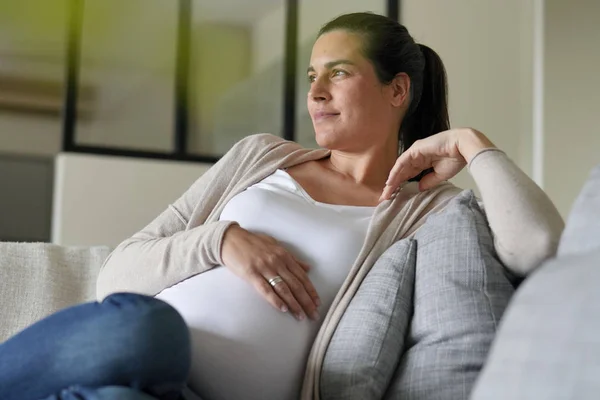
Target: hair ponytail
[[428, 112]]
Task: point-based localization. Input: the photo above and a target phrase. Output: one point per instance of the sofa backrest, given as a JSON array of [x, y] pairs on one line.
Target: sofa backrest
[[37, 279]]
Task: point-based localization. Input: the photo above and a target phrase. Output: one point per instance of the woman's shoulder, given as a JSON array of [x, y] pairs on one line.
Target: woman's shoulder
[[261, 141], [265, 147]]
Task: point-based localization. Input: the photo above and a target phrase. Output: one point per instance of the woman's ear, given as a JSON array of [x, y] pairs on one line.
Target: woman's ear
[[401, 90]]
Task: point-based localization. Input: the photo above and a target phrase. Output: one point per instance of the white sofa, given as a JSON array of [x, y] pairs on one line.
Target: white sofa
[[37, 279]]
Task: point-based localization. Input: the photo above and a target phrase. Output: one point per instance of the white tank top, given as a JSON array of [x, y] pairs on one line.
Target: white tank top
[[243, 348]]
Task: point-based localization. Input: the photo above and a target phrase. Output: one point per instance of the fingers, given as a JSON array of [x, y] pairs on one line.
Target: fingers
[[407, 166], [410, 164], [302, 289], [286, 295], [302, 264], [388, 192], [308, 286], [265, 290], [279, 296], [429, 181], [284, 292], [300, 274]]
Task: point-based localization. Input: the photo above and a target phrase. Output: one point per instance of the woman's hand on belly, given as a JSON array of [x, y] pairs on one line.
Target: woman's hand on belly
[[259, 258]]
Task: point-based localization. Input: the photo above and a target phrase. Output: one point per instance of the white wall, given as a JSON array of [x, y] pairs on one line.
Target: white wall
[[486, 47], [572, 97], [101, 200]]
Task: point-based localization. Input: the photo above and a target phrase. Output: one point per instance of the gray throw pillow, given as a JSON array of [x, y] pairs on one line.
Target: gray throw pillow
[[366, 346], [461, 291]]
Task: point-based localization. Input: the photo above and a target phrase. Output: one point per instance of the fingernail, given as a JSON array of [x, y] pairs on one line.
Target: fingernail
[[284, 309], [300, 316], [314, 316]]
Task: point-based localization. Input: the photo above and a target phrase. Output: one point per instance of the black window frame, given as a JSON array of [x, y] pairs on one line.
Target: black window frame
[[181, 121]]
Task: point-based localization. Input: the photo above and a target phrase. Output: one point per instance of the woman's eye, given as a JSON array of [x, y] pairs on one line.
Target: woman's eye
[[311, 78]]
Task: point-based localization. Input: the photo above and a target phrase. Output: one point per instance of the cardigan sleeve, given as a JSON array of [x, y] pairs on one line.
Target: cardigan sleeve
[[525, 223]]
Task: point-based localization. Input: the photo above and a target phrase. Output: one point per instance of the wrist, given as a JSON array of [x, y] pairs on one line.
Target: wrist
[[227, 234], [471, 142]]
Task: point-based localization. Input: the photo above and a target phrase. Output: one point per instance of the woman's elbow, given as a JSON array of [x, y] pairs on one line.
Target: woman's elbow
[[105, 281], [111, 277], [524, 256]]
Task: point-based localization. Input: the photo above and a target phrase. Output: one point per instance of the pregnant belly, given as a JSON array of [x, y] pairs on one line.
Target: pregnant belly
[[242, 347]]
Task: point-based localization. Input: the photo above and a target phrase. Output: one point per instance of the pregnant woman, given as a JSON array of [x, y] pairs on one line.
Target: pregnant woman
[[261, 254]]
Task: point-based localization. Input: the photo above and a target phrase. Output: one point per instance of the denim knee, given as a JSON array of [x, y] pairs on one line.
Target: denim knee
[[126, 340], [151, 335]]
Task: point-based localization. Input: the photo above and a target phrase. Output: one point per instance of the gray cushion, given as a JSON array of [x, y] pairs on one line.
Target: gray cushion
[[461, 291], [583, 228], [366, 346]]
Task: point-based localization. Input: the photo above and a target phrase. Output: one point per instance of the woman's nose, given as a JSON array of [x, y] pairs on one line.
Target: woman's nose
[[318, 91]]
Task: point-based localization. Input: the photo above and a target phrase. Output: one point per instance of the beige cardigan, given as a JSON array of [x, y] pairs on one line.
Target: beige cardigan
[[185, 240]]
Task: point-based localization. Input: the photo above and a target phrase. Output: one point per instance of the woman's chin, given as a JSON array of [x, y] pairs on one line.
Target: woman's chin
[[324, 139]]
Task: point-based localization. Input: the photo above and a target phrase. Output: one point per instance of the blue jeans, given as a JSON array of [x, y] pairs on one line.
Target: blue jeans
[[128, 346]]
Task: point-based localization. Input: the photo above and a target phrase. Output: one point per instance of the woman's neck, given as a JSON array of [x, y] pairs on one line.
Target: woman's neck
[[369, 169]]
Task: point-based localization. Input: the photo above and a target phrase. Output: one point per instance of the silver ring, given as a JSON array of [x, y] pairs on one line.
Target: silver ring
[[275, 281]]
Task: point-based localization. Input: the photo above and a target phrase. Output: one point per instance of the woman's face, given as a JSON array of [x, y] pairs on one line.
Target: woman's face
[[350, 109]]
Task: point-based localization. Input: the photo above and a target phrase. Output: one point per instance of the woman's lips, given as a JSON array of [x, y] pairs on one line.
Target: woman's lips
[[320, 116]]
